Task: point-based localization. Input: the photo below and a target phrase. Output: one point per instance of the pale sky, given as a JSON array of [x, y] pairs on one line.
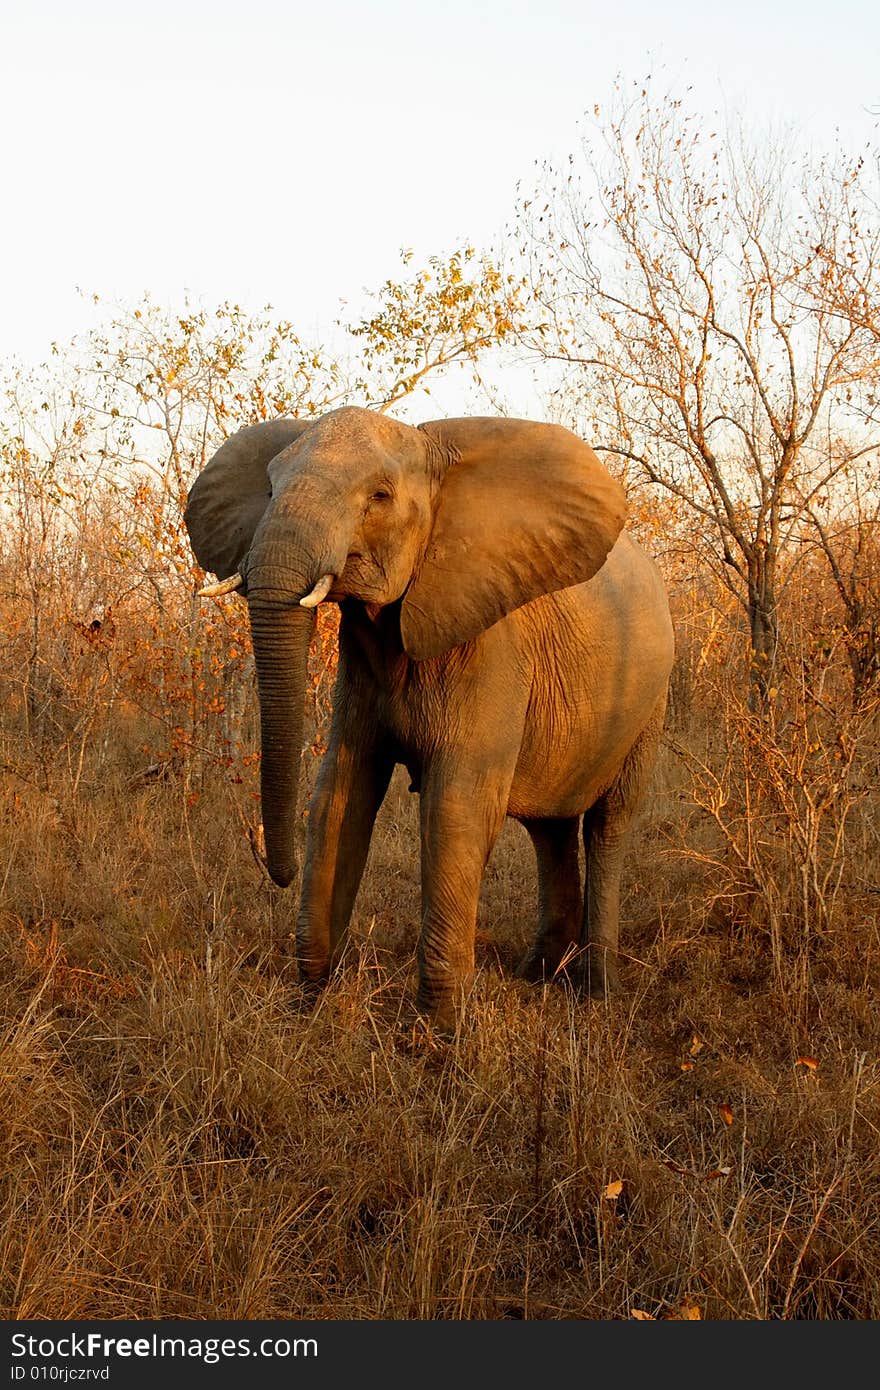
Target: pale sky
[[283, 153]]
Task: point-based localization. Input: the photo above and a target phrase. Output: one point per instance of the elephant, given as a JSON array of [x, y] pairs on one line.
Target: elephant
[[500, 635]]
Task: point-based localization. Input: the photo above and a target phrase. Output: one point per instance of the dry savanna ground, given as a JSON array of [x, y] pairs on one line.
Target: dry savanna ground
[[185, 1135]]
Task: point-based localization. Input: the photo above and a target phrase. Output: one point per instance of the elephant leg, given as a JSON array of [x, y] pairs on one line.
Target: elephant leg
[[460, 822], [560, 896], [605, 830], [349, 790]]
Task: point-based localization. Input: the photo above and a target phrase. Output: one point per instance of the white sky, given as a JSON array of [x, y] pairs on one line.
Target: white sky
[[283, 153]]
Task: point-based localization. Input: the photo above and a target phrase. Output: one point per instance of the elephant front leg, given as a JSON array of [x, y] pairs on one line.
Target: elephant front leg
[[350, 788], [459, 826], [560, 897]]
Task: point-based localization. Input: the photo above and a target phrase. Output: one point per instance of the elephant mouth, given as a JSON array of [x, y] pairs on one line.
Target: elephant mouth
[[272, 584]]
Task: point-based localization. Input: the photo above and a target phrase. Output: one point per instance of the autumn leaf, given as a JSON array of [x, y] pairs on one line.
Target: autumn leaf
[[641, 1315], [696, 1045], [683, 1312], [677, 1168], [726, 1113], [809, 1062], [687, 1066], [613, 1190]]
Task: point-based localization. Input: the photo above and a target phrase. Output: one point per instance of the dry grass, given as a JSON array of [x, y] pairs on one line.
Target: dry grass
[[184, 1136]]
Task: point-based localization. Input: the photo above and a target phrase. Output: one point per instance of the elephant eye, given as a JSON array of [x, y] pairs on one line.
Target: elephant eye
[[381, 495]]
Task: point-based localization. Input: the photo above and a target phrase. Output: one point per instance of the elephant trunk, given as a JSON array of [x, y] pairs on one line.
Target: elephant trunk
[[281, 631]]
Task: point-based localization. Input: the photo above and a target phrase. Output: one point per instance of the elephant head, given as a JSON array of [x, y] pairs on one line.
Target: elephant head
[[463, 520]]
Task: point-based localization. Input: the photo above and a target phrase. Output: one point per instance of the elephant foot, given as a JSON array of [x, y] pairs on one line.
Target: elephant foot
[[316, 964], [597, 977], [539, 966], [442, 1012], [311, 986], [526, 969], [440, 1018], [535, 969], [312, 978]]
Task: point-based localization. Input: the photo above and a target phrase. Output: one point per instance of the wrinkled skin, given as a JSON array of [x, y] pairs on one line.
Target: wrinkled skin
[[499, 635]]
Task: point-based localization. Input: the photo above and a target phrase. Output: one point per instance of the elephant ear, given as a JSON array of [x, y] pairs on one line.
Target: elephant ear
[[524, 508], [229, 496]]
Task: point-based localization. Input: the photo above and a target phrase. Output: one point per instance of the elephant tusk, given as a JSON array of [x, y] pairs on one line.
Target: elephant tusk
[[320, 591], [222, 586]]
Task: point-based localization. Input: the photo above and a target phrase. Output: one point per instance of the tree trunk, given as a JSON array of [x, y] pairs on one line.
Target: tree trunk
[[763, 638]]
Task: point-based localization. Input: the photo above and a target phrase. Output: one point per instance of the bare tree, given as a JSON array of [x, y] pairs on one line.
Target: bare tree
[[849, 538], [689, 288]]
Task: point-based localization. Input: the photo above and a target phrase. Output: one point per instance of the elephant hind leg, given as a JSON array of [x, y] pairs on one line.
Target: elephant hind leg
[[560, 900], [605, 829]]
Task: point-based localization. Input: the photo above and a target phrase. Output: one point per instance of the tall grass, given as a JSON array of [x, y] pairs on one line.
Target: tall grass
[[183, 1134]]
